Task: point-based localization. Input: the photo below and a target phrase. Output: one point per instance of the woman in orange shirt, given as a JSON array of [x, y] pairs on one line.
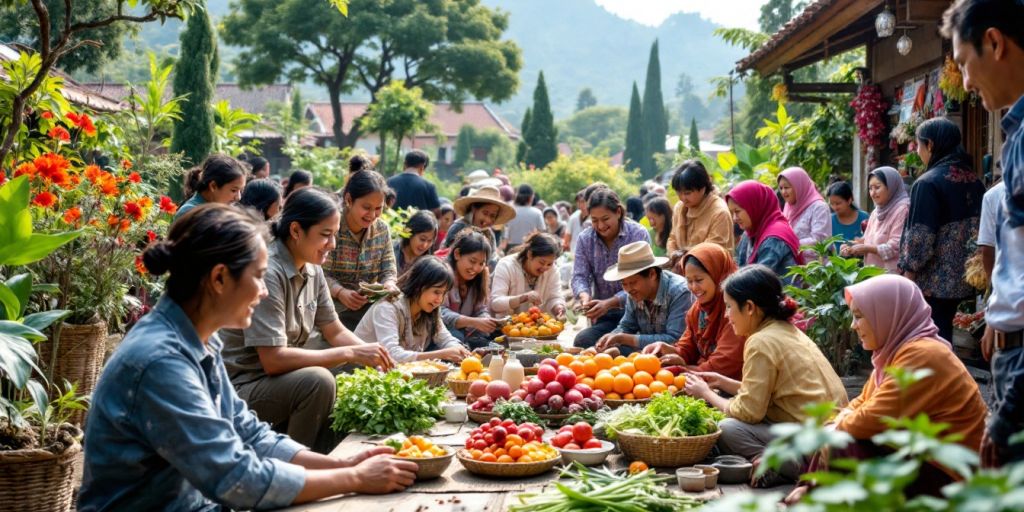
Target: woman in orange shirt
[[709, 343]]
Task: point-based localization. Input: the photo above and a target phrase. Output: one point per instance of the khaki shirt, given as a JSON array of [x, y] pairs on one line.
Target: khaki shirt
[[296, 303]]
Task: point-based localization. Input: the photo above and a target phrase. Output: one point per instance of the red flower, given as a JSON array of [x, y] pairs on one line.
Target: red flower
[[140, 266], [3, 177], [83, 121], [53, 168], [59, 133], [113, 221], [167, 205], [25, 169], [125, 224], [47, 115], [72, 215], [134, 177], [44, 199], [126, 164], [133, 210], [151, 236]]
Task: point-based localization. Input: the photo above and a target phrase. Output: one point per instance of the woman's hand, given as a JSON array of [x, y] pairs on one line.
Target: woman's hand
[[531, 297], [659, 348], [696, 386], [615, 340], [351, 299], [454, 354], [559, 312], [713, 379]]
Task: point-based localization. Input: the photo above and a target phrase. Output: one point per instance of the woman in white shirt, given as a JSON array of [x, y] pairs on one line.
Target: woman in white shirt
[[529, 278]]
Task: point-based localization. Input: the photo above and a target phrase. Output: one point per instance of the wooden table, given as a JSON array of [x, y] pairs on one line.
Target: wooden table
[[457, 489]]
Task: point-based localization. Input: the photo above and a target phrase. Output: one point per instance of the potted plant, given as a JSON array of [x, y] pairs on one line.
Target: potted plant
[[38, 448]]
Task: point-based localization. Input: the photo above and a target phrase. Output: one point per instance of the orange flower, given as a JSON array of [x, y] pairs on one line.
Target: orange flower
[[167, 205], [92, 172], [25, 169], [44, 199], [140, 265], [145, 202], [106, 182], [83, 121], [134, 177], [52, 168], [133, 210], [125, 224], [126, 164], [72, 215], [47, 115], [59, 133]]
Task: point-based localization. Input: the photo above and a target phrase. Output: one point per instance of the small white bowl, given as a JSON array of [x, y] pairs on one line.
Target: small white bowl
[[591, 457]]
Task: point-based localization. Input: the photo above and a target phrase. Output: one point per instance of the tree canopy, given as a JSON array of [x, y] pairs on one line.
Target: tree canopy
[[602, 129], [194, 78], [541, 139], [655, 121], [586, 99], [451, 49], [397, 113]]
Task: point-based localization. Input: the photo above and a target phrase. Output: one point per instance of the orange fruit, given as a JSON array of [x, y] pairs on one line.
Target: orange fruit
[[524, 459], [637, 467], [641, 391], [629, 396], [505, 459], [488, 457], [680, 381], [515, 452], [604, 361], [476, 454], [658, 387], [544, 330], [665, 377], [515, 332], [648, 363], [627, 368], [605, 381], [642, 377], [473, 376], [576, 367], [588, 381], [471, 365], [673, 389], [633, 356], [623, 383], [590, 368], [620, 359], [615, 370], [564, 358], [613, 396]]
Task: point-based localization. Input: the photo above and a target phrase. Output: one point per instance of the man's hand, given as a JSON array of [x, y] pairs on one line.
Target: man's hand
[[988, 343], [382, 474], [351, 299], [371, 354]]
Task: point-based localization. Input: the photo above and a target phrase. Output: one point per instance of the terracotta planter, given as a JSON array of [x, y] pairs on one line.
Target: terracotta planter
[[79, 358], [37, 480]]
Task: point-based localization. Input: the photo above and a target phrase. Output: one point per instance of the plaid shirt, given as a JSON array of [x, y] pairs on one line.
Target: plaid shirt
[[371, 260]]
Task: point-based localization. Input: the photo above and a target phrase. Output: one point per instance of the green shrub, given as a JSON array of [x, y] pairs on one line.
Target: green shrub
[[561, 179]]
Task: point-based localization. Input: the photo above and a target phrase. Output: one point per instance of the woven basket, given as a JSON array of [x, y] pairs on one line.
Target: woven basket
[[667, 451], [80, 351], [432, 467], [480, 416], [37, 480], [434, 379], [506, 469], [460, 388]]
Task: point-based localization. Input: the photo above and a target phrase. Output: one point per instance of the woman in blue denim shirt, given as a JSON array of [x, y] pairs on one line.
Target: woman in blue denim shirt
[[166, 430]]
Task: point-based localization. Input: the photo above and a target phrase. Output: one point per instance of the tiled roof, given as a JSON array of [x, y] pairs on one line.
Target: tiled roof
[[476, 114], [73, 91], [253, 100], [810, 14]]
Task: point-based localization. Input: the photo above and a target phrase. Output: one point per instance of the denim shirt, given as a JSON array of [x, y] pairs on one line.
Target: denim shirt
[[664, 318], [166, 430]]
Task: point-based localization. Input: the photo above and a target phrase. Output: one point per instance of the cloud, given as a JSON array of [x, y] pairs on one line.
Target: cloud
[[727, 13]]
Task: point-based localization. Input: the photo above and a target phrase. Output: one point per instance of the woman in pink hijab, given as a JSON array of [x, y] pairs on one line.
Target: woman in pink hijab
[[767, 239], [806, 211], [894, 323]]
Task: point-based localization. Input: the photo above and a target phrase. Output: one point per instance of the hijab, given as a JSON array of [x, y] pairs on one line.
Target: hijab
[[897, 312], [762, 206], [897, 191], [806, 193], [718, 263], [945, 138]]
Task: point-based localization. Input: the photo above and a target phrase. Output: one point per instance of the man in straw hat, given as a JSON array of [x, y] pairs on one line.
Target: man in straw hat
[[656, 304]]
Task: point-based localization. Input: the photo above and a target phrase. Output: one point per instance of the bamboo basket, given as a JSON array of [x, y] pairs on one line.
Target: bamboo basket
[[460, 388], [434, 379], [667, 451], [506, 469], [37, 480], [79, 358]]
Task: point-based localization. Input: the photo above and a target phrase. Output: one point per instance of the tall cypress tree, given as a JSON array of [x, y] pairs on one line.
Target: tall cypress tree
[[297, 110], [694, 136], [635, 143], [542, 146], [195, 75], [524, 137], [655, 120]]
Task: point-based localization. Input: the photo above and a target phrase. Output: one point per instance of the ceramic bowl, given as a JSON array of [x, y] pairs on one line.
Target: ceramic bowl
[[733, 469], [590, 457], [690, 479], [710, 475]]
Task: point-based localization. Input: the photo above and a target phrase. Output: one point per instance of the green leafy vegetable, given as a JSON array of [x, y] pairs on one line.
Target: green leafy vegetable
[[592, 489], [385, 403], [664, 416], [519, 412]]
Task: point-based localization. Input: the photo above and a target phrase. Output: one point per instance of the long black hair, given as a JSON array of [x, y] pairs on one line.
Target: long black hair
[[308, 206], [426, 272], [471, 240], [944, 135], [539, 245], [217, 168], [844, 190], [260, 195], [759, 284], [299, 177], [661, 206], [204, 237], [364, 183], [421, 222]]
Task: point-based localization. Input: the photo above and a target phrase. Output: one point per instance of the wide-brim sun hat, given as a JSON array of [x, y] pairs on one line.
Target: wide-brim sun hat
[[477, 175], [633, 259], [488, 195]]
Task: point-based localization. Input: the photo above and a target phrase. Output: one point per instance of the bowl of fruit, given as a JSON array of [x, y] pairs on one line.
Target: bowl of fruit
[[470, 369], [577, 443], [432, 459], [434, 372], [532, 324], [505, 449]]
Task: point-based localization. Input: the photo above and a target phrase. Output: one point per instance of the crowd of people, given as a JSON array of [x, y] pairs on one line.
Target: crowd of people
[[222, 394]]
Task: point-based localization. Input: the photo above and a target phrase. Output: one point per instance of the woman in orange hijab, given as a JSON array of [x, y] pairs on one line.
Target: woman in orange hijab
[[709, 343]]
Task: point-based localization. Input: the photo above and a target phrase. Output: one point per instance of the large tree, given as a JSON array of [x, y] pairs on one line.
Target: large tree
[[524, 135], [194, 77], [398, 112], [586, 99], [601, 129], [655, 121], [542, 146], [451, 49], [636, 145]]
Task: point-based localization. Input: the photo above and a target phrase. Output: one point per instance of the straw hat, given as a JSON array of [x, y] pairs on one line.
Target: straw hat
[[477, 175], [633, 259], [489, 195]]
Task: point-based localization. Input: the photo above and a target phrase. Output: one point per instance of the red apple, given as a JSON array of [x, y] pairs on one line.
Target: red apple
[[566, 378], [546, 373]]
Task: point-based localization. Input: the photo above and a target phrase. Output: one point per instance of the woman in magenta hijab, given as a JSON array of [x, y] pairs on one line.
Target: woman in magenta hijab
[[806, 211], [767, 239], [894, 323]]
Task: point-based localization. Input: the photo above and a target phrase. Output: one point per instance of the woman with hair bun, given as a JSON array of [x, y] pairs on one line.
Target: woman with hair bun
[[167, 430], [263, 196], [783, 370], [219, 179]]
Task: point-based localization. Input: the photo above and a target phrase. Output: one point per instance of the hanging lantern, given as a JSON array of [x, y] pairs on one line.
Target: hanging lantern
[[885, 23], [904, 45]]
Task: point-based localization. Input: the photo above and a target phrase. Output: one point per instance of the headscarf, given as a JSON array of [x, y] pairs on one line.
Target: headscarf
[[806, 193], [897, 312], [945, 138], [897, 191], [762, 206], [719, 264]]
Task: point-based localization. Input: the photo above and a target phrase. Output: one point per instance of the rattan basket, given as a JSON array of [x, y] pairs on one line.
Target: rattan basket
[[506, 469], [667, 451], [433, 467], [37, 480], [480, 416], [434, 379], [460, 388], [79, 358]]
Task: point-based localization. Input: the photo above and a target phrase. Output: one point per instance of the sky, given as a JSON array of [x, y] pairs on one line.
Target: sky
[[728, 13]]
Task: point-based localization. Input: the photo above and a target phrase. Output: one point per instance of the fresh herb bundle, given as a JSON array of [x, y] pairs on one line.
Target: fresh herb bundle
[[592, 489], [519, 412], [664, 416], [378, 403]]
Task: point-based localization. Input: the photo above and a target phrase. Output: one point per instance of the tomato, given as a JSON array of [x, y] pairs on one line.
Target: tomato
[[572, 446], [495, 422], [561, 439], [565, 428], [526, 434], [489, 438], [469, 443], [479, 444], [507, 423], [582, 431], [637, 467], [512, 429], [486, 426], [538, 432], [498, 434], [592, 444]]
